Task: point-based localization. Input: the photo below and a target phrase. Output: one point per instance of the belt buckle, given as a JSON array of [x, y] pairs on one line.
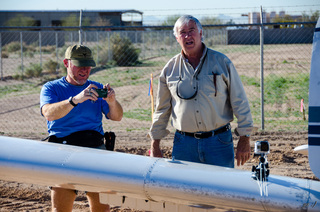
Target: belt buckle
[[197, 135]]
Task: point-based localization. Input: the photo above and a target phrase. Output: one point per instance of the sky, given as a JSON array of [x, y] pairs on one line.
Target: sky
[[163, 8]]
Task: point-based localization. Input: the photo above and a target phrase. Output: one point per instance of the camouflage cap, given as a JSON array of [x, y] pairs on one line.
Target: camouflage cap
[[80, 56]]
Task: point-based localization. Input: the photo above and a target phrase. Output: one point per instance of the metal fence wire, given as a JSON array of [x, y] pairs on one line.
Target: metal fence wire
[[127, 57]]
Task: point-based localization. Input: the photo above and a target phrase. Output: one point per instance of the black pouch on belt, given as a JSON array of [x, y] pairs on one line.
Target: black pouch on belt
[[86, 138], [110, 140]]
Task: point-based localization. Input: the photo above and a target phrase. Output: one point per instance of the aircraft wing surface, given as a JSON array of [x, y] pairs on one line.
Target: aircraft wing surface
[[153, 184]]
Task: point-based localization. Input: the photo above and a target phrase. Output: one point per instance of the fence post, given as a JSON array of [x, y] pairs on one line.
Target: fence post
[[157, 37], [143, 48], [1, 70], [40, 49], [97, 47], [109, 49], [80, 29], [21, 47], [57, 56], [261, 69]]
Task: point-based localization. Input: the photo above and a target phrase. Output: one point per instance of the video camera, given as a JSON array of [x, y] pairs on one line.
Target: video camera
[[261, 171]]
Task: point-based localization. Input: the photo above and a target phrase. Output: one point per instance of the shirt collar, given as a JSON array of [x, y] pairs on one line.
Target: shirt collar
[[203, 54]]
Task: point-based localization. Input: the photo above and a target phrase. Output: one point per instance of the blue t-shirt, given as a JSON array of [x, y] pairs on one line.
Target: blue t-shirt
[[85, 116]]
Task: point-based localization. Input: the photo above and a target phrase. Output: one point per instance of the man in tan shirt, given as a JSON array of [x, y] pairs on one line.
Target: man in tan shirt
[[201, 90]]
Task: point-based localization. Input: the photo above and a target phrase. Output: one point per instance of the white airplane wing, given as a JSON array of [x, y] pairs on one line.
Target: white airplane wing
[[152, 184], [303, 149]]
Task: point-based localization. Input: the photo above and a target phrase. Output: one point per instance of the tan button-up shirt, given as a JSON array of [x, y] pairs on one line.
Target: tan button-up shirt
[[220, 95]]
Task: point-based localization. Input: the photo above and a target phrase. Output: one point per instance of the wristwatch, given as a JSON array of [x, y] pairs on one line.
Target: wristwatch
[[71, 102]]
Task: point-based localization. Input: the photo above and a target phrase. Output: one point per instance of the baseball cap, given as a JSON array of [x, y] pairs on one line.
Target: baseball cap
[[80, 56]]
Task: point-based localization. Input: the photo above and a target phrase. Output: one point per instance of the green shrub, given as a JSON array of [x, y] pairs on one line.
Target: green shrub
[[124, 53], [104, 56], [62, 51], [13, 47], [28, 54], [4, 55], [51, 67], [34, 70], [48, 49]]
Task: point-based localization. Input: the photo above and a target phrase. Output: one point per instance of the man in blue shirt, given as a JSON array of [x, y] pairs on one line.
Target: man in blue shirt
[[74, 112]]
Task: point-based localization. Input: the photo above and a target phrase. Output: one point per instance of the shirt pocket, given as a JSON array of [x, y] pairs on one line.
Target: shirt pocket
[[214, 85]]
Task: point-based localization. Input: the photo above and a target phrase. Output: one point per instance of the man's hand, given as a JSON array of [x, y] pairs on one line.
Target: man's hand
[[243, 150], [87, 94], [155, 150], [115, 109], [111, 94]]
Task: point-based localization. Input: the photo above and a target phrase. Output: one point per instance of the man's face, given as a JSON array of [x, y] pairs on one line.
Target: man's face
[[189, 38], [77, 75]]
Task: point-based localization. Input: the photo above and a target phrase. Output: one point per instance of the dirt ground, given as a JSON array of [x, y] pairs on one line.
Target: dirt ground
[[15, 196]]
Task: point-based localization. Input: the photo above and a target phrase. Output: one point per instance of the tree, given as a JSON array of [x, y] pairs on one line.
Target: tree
[[171, 20], [73, 20], [102, 22], [285, 19], [313, 17], [20, 20], [210, 21]]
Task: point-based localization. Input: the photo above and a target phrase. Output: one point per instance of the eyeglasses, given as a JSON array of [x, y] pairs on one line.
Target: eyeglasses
[[183, 86], [191, 32]]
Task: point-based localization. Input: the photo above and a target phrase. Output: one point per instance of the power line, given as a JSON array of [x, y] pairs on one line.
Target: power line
[[230, 8]]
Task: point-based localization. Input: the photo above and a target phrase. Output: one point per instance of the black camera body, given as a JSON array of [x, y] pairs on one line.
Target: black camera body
[[102, 93]]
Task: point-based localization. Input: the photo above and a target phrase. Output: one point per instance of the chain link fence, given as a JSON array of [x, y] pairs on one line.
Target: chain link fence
[[126, 59]]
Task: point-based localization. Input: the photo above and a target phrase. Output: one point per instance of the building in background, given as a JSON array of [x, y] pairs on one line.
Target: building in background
[[272, 17], [71, 18]]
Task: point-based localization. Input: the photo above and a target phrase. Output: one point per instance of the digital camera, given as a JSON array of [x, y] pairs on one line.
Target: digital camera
[[102, 93], [261, 147]]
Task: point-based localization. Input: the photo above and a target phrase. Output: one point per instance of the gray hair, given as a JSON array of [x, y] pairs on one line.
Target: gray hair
[[183, 20]]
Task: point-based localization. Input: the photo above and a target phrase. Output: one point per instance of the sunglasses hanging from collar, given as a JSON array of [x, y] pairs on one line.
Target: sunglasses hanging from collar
[[188, 89]]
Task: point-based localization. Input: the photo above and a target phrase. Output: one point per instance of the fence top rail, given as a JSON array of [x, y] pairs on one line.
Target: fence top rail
[[143, 27]]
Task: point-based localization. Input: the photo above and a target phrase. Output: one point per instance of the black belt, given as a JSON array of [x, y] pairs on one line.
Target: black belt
[[200, 135]]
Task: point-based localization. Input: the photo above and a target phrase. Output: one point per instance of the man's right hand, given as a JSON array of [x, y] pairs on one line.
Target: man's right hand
[[155, 150], [87, 94]]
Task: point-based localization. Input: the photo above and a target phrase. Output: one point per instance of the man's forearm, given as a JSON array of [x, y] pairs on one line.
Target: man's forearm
[[116, 111], [57, 110]]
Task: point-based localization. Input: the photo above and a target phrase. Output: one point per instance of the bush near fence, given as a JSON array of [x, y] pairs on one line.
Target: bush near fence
[[126, 59]]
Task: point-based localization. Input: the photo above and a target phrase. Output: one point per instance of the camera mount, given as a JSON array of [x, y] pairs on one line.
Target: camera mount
[[261, 171]]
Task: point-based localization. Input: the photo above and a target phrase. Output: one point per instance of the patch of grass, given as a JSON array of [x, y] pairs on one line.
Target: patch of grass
[[286, 124], [18, 89], [139, 114], [250, 80], [279, 90], [117, 77], [137, 129], [226, 49]]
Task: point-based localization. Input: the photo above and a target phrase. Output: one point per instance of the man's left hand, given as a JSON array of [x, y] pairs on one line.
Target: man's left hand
[[243, 150], [111, 94]]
